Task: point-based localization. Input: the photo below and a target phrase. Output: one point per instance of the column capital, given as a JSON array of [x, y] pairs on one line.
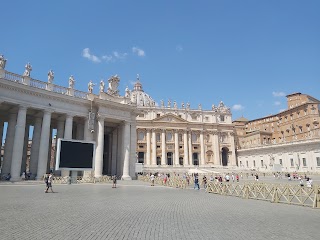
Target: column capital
[[23, 107], [99, 116]]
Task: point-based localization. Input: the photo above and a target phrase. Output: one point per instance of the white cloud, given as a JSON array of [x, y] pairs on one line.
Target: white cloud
[[277, 103], [179, 48], [119, 55], [86, 54], [107, 58], [278, 94], [237, 107], [138, 51]]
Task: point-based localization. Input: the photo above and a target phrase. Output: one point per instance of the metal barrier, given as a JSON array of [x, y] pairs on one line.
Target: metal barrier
[[276, 193], [66, 180]]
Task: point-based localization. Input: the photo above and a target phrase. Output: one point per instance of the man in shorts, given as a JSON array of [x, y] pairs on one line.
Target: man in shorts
[[48, 181]]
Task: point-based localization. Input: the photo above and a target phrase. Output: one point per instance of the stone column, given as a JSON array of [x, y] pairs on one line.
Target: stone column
[[1, 132], [49, 150], [202, 160], [148, 148], [68, 136], [190, 147], [126, 151], [163, 147], [25, 150], [18, 144], [133, 148], [185, 148], [233, 150], [8, 147], [154, 148], [88, 136], [33, 167], [68, 127], [176, 148], [119, 152], [44, 145], [114, 152], [216, 148], [99, 148]]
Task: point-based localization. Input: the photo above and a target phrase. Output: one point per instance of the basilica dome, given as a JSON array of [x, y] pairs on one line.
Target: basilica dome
[[139, 97]]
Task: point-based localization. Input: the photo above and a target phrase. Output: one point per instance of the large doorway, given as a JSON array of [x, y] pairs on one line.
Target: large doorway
[[195, 159], [181, 161], [225, 152], [140, 157], [169, 158], [158, 161]]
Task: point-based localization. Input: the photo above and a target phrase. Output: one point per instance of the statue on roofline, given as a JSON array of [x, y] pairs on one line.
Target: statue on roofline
[[101, 86], [71, 81], [50, 76], [90, 86], [3, 62], [27, 71]]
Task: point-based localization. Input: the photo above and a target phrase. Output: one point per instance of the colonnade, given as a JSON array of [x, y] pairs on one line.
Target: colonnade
[[199, 146], [17, 140]]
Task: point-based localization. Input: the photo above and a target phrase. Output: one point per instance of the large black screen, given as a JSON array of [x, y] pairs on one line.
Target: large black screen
[[74, 154]]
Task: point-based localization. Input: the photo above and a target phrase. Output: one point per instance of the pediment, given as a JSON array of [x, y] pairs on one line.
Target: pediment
[[170, 118]]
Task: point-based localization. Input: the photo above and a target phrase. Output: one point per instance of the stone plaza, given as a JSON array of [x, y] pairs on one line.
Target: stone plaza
[[135, 210]]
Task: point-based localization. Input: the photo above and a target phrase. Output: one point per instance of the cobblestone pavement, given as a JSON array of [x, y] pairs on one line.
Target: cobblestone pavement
[[136, 210]]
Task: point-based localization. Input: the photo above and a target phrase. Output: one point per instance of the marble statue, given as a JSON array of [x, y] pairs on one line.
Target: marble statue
[[188, 105], [169, 103], [199, 107], [182, 105], [71, 81], [175, 104], [113, 85], [101, 86], [2, 62], [50, 76], [161, 103], [27, 71], [127, 92], [90, 86]]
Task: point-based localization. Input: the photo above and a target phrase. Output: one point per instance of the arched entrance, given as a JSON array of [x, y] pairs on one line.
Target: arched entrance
[[195, 159], [140, 157], [225, 151], [169, 158]]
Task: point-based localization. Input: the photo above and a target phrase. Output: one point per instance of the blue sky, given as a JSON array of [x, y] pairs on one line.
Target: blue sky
[[249, 54]]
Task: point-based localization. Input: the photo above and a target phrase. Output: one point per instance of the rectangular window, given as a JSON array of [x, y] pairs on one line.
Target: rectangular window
[[158, 114], [318, 161], [291, 162], [141, 115], [241, 163], [280, 162], [247, 164], [254, 163], [304, 162]]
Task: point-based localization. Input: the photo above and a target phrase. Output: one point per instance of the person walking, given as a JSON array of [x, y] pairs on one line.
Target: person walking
[[204, 180], [152, 179], [114, 181], [196, 182], [48, 180]]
